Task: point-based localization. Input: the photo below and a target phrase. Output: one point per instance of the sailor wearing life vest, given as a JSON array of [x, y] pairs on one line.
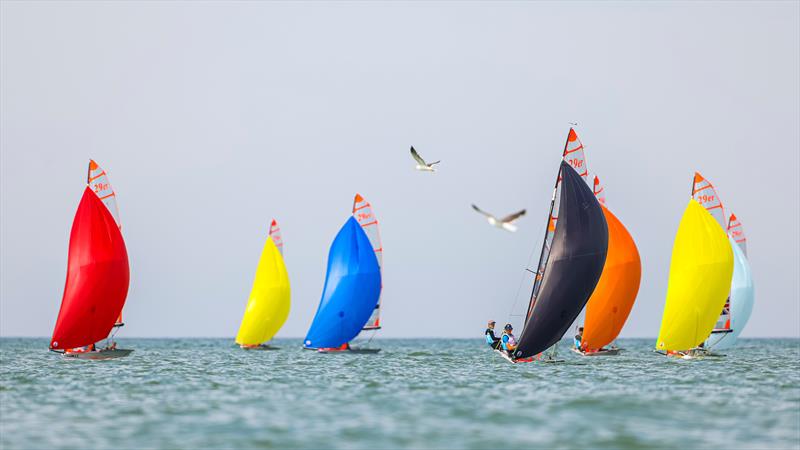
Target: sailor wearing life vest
[[492, 340], [509, 342]]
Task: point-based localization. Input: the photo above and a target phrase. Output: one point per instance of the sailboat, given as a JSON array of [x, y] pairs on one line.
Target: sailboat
[[742, 296], [613, 297], [700, 275], [97, 275], [268, 305], [739, 305], [351, 294], [571, 260]]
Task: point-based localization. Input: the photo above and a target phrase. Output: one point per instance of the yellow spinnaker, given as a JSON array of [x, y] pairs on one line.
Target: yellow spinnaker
[[699, 280], [268, 306]]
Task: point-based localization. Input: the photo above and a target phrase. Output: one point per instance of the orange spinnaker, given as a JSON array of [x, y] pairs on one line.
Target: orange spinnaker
[[612, 299]]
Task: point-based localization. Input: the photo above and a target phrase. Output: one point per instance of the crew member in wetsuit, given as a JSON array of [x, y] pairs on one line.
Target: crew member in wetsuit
[[508, 340], [492, 340], [578, 338]]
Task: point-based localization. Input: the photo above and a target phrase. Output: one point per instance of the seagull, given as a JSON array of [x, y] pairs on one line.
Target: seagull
[[506, 223], [422, 166]]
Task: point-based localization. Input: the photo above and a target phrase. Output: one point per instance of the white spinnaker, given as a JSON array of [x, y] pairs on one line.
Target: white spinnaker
[[736, 232], [97, 179], [275, 232], [363, 213], [575, 157], [705, 194]]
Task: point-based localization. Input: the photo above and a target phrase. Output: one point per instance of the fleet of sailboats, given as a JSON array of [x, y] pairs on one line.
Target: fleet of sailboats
[[589, 263]]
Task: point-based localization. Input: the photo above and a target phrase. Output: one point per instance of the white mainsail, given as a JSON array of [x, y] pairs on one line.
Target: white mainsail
[[362, 211]]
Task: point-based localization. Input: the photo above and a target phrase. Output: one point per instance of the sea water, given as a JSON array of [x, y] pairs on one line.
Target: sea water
[[420, 393]]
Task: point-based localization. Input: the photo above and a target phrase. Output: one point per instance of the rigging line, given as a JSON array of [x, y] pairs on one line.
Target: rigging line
[[371, 337], [521, 281]]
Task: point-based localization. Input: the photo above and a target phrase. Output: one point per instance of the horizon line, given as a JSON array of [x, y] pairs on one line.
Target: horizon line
[[382, 338]]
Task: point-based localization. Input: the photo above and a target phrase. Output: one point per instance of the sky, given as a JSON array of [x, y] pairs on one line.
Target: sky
[[213, 118]]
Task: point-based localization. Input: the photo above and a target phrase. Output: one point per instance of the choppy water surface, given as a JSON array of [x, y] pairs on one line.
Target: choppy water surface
[[195, 393]]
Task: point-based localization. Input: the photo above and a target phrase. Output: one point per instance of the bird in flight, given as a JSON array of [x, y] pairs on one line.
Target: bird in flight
[[422, 166], [506, 223]]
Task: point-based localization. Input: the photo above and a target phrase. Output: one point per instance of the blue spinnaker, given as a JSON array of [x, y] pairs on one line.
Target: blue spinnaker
[[352, 288]]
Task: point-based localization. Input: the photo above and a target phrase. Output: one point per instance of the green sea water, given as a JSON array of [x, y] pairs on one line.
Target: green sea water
[[415, 393]]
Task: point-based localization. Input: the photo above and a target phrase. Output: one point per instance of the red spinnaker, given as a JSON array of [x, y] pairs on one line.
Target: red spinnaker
[[97, 277]]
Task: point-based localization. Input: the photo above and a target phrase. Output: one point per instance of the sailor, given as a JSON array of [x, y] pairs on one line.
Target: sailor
[[84, 349], [508, 339], [578, 338], [492, 340]]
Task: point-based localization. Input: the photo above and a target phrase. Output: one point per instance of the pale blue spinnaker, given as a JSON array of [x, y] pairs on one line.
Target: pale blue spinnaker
[[741, 301]]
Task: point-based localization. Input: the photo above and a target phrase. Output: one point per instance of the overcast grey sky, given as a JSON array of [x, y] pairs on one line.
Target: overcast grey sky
[[212, 118]]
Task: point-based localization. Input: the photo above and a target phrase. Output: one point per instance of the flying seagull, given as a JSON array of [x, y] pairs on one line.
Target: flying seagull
[[421, 164], [506, 223]]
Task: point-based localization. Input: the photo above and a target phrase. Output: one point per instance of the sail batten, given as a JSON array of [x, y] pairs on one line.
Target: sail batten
[[706, 195], [736, 231]]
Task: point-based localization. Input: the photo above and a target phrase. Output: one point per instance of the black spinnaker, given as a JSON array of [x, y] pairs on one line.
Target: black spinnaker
[[574, 264]]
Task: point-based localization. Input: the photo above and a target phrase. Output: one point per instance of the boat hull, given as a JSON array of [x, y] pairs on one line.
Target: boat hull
[[259, 347], [695, 353], [100, 354], [366, 351], [604, 352], [530, 359]]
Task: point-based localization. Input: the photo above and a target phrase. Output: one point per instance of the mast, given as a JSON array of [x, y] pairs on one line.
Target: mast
[[539, 269]]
